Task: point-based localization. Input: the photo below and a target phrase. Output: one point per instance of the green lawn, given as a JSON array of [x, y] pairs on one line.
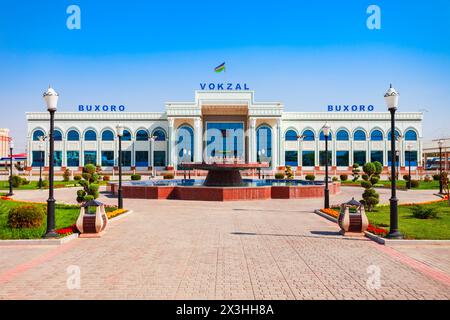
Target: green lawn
[[432, 185], [4, 185], [413, 228], [66, 215]]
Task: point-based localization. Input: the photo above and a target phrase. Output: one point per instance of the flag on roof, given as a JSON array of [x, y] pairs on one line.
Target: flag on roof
[[220, 67]]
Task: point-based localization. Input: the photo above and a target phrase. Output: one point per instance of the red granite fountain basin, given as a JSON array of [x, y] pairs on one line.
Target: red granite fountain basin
[[204, 193]]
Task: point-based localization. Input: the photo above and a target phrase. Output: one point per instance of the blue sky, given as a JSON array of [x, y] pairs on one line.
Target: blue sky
[[306, 54]]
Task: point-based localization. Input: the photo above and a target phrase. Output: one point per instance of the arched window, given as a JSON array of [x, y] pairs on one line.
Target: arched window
[[290, 135], [159, 135], [322, 136], [342, 135], [107, 135], [397, 134], [376, 135], [308, 135], [185, 144], [90, 135], [126, 135], [142, 135], [37, 134], [264, 144], [410, 135], [359, 135], [57, 135], [73, 135]]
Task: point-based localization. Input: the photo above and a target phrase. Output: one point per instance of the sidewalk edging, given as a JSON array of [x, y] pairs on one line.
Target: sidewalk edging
[[52, 242], [388, 242]]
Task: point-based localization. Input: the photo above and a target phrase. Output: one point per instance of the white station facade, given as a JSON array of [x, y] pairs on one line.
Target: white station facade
[[267, 133]]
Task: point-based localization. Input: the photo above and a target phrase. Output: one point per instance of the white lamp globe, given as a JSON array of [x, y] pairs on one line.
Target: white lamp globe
[[119, 129], [391, 98], [326, 129], [51, 99]]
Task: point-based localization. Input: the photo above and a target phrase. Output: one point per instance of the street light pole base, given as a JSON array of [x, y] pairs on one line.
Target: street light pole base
[[10, 194], [395, 235], [51, 235]]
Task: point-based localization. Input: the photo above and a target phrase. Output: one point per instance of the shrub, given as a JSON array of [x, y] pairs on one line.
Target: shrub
[[80, 195], [334, 179], [415, 183], [93, 190], [355, 172], [310, 177], [289, 173], [374, 180], [365, 177], [66, 175], [88, 198], [25, 181], [279, 175], [406, 177], [45, 183], [421, 212], [427, 178], [26, 216], [343, 177], [89, 182], [106, 178], [135, 177], [168, 176], [366, 184], [371, 177], [16, 181], [77, 177], [370, 198], [436, 177]]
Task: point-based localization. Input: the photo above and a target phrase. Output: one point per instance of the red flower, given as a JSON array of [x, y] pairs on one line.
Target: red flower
[[71, 229]]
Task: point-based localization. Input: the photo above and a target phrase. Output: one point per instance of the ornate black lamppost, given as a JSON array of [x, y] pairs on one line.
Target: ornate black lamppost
[[391, 98], [119, 190], [326, 133], [440, 143], [51, 99], [11, 147]]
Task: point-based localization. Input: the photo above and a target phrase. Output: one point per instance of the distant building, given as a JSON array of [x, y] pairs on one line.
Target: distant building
[[4, 142]]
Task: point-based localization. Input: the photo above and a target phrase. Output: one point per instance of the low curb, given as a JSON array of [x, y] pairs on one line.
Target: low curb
[[388, 242], [52, 242]]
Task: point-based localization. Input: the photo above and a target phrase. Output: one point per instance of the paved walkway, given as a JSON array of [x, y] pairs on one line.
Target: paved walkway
[[274, 249]]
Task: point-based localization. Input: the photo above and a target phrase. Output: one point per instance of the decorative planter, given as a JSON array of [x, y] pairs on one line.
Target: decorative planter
[[353, 223], [92, 224]]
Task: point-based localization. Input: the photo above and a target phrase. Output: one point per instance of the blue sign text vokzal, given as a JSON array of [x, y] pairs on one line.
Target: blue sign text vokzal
[[100, 108], [350, 108], [223, 86]]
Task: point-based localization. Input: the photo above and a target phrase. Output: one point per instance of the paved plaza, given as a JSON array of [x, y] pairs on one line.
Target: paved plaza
[[272, 249]]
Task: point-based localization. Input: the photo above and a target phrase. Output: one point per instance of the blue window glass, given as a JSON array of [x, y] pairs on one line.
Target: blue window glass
[[57, 135], [290, 158], [264, 144], [38, 158], [142, 135], [308, 158], [322, 155], [359, 135], [73, 135], [90, 135], [37, 134], [90, 157], [160, 135], [342, 158], [376, 155], [107, 158], [126, 158], [397, 134], [290, 135], [141, 158], [126, 135], [308, 135], [159, 159], [185, 144], [411, 156], [107, 135], [342, 135], [57, 158], [397, 159], [410, 135], [322, 136], [376, 135], [359, 157], [73, 158]]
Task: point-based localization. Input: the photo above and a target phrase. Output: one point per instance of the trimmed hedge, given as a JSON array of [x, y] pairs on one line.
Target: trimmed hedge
[[26, 216]]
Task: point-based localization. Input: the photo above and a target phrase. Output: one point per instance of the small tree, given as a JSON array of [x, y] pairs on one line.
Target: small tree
[[355, 171], [66, 175], [89, 184], [445, 186], [371, 177]]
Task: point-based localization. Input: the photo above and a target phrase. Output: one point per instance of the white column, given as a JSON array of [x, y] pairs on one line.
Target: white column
[[275, 147], [333, 145], [171, 145], [252, 140], [317, 150], [350, 153], [198, 140]]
